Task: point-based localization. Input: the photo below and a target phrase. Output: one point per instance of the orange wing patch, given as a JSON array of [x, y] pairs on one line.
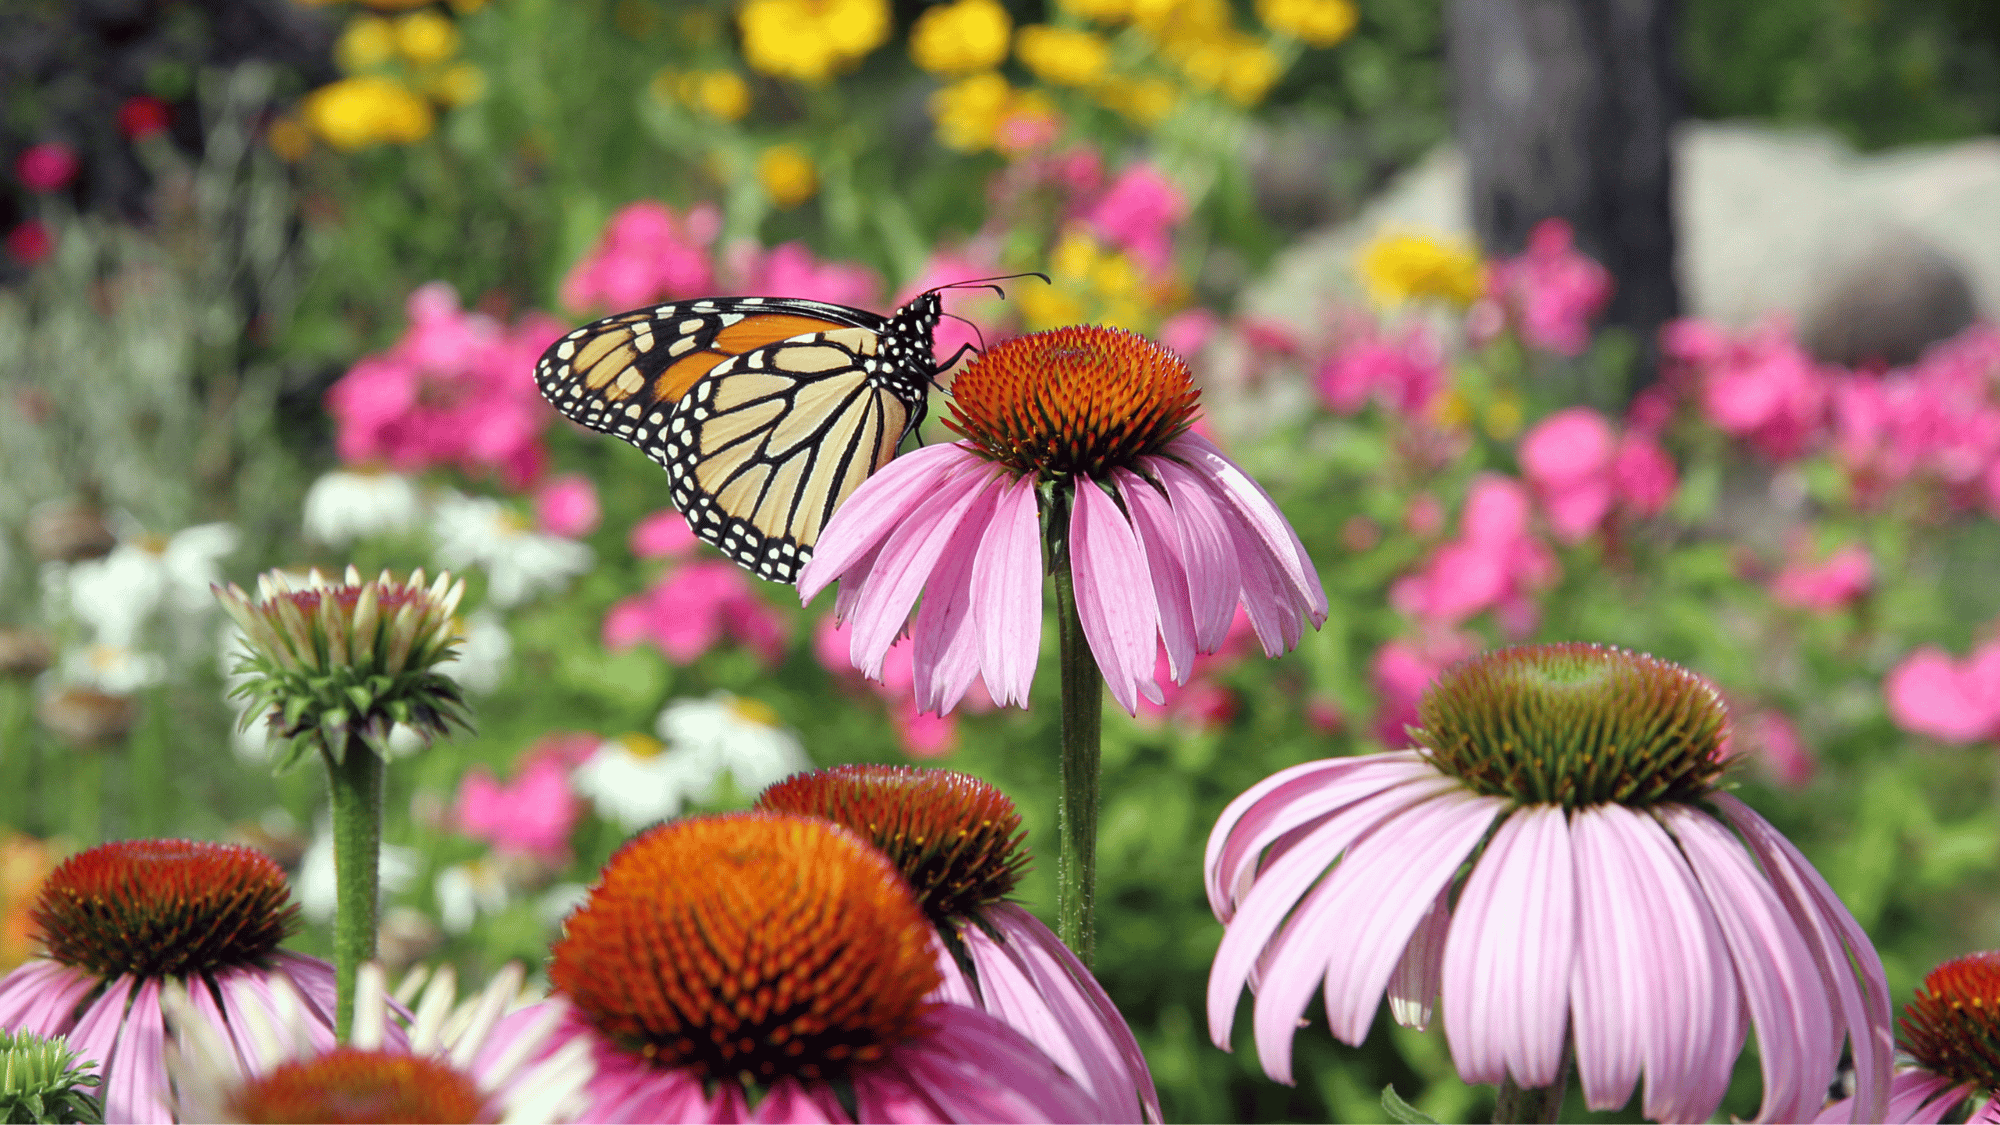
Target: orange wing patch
[[754, 332]]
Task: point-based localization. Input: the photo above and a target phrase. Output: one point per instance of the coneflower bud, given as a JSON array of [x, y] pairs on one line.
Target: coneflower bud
[[41, 1080], [334, 661]]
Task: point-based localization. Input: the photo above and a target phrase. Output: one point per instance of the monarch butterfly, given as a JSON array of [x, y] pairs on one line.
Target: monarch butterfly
[[767, 412]]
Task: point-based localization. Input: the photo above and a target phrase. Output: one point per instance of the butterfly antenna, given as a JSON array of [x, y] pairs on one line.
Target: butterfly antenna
[[989, 282]]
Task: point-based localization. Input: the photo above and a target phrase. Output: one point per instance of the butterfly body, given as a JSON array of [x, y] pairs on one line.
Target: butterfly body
[[766, 412]]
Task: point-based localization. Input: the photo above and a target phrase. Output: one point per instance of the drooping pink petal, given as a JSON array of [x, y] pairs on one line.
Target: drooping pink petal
[[1916, 1096], [875, 510], [1215, 579], [1261, 514], [1838, 944], [136, 1083], [97, 1036], [1510, 954], [41, 996], [1153, 520], [1413, 987], [1780, 980], [945, 641], [979, 1069], [1007, 595], [905, 563], [1114, 596]]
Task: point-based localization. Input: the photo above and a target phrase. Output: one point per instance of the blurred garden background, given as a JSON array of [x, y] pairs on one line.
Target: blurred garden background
[[1671, 327]]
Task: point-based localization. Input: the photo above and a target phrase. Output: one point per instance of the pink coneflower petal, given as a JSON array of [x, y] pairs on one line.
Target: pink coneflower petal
[[1836, 942], [974, 1068], [1285, 801], [137, 1075], [1781, 983], [1215, 579], [869, 516], [946, 644], [908, 556], [1153, 520], [41, 995], [1038, 986], [1916, 1097], [1413, 987], [1114, 597], [98, 1035], [1261, 513], [787, 1101], [1507, 960], [1007, 598]]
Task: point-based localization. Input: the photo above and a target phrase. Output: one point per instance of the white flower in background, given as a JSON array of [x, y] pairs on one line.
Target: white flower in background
[[730, 734], [557, 902], [519, 561], [112, 669], [633, 781], [117, 594], [346, 504], [484, 648], [467, 890], [314, 886]]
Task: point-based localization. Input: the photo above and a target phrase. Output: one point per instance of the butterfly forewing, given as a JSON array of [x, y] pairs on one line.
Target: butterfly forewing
[[767, 413]]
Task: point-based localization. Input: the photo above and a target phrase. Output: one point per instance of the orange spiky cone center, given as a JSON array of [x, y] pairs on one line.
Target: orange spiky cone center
[[754, 946], [158, 908], [1078, 400], [957, 840], [1952, 1023], [1574, 724], [352, 1085]]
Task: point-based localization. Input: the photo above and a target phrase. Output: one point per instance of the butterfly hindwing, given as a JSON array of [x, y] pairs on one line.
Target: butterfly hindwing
[[767, 413]]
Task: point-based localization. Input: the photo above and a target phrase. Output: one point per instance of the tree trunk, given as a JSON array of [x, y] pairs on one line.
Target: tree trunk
[[1565, 108]]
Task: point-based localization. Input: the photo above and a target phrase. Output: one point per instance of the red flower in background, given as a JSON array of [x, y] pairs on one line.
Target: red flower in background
[[30, 242], [143, 116]]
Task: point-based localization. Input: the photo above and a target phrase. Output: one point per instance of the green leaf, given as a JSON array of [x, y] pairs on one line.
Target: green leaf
[[1400, 1110]]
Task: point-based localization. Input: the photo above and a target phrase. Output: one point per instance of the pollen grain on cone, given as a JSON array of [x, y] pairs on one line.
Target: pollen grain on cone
[[958, 840], [156, 908], [1083, 399], [756, 945]]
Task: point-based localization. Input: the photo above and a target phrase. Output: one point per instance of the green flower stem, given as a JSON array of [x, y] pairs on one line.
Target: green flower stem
[[146, 760], [1082, 738], [356, 781], [1542, 1105]]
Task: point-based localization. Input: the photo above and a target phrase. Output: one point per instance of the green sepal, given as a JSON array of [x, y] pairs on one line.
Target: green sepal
[[1399, 1110]]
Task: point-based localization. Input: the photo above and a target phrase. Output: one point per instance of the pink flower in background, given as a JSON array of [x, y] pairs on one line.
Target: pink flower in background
[[46, 167], [1642, 474], [30, 242], [567, 506], [1551, 291], [1138, 214], [922, 734], [450, 392], [1402, 372], [692, 609], [1934, 420], [1762, 386], [1187, 332], [1774, 741], [662, 535], [1651, 410], [1423, 517], [1201, 703], [647, 253], [1494, 562], [532, 814], [1567, 458], [1403, 669], [1952, 701], [1846, 575], [790, 270]]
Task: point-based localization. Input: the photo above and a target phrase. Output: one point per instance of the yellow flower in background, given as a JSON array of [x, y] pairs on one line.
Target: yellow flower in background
[[961, 37], [1102, 11], [811, 40], [718, 93], [1045, 307], [425, 38], [1182, 24], [355, 113], [289, 139], [1239, 67], [787, 174], [458, 85], [969, 111], [1091, 282], [1450, 410], [1317, 23], [1142, 101], [1400, 267], [1503, 417], [366, 43], [1062, 55], [1251, 72]]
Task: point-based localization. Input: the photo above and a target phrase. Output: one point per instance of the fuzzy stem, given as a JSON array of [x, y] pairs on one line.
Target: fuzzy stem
[[356, 782], [1082, 737]]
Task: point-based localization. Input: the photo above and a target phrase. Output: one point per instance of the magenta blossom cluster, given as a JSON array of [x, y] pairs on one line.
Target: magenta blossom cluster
[[1551, 292], [450, 392], [693, 608], [1403, 370], [1825, 584], [1497, 562], [1403, 669], [1956, 701], [922, 734], [1138, 214], [533, 813], [1204, 702], [648, 252], [1581, 470]]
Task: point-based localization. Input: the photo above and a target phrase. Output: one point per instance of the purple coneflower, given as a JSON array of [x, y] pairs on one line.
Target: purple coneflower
[[1553, 859], [1951, 1029], [450, 1070], [1087, 427], [122, 921], [959, 843], [776, 968]]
